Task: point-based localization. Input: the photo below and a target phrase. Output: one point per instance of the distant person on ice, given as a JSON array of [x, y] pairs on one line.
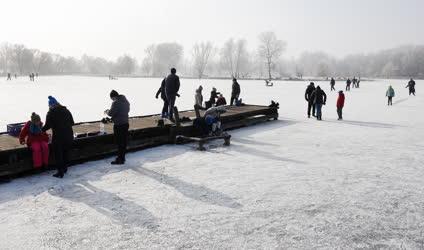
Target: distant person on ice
[[235, 92], [172, 86], [119, 114], [161, 92], [332, 84], [411, 86], [320, 98], [390, 93], [348, 82], [308, 97], [60, 121], [36, 140], [9, 77], [354, 82], [340, 105]]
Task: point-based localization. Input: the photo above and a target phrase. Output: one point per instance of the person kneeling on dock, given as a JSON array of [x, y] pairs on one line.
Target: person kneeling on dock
[[210, 123], [119, 114], [59, 119], [36, 140]]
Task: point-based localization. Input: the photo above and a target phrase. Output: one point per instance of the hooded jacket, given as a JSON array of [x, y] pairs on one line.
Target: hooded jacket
[[59, 119], [119, 110], [172, 85]]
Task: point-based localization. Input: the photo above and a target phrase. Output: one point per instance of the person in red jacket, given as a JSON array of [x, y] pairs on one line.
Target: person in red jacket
[[340, 104], [37, 141]]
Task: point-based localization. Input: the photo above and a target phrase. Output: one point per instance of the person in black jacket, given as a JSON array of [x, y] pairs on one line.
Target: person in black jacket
[[348, 82], [119, 114], [308, 94], [319, 98], [161, 92], [235, 93], [172, 86], [212, 99], [332, 84], [411, 86], [59, 119]]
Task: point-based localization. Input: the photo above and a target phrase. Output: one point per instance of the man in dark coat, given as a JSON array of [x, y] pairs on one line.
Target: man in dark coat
[[235, 93], [172, 86], [348, 82], [308, 94], [411, 86], [119, 114], [161, 92], [320, 98], [59, 119], [332, 84]]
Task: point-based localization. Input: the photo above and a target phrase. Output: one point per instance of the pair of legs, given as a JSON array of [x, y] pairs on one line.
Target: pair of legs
[[389, 100], [411, 91], [171, 104], [165, 108], [233, 100], [121, 139], [311, 106], [332, 88], [40, 154], [61, 156], [340, 113], [318, 108], [347, 87]]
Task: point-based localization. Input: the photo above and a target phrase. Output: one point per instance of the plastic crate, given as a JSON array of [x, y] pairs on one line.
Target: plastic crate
[[15, 128]]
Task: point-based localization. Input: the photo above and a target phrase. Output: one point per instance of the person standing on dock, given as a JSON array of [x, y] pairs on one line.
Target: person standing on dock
[[59, 119], [198, 98], [235, 93], [161, 92], [411, 86], [119, 114], [172, 86], [308, 94], [332, 84]]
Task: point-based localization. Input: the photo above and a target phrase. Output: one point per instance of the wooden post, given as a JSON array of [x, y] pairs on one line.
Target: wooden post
[[177, 117]]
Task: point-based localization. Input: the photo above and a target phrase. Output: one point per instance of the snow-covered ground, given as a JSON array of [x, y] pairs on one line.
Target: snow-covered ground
[[293, 183]]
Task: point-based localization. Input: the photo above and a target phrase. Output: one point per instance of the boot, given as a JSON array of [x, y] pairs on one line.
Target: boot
[[58, 175]]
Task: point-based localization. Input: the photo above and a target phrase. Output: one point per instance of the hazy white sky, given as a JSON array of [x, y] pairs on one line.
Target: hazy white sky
[[110, 28]]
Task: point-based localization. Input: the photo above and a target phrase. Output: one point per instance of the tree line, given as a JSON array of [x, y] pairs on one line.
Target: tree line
[[232, 59]]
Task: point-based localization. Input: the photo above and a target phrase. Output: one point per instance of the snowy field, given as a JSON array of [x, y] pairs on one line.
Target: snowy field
[[293, 183]]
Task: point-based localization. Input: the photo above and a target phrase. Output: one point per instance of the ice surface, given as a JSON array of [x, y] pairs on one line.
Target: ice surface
[[293, 183]]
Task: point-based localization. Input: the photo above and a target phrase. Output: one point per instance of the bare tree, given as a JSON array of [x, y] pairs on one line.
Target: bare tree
[[6, 54], [201, 53], [270, 49], [235, 58], [166, 56]]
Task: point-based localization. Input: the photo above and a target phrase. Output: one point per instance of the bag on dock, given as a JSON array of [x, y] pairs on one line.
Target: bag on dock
[[15, 128]]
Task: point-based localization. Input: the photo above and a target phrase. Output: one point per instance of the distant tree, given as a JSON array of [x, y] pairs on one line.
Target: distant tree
[[6, 55], [201, 53], [125, 65], [166, 56], [270, 49], [149, 60], [235, 58]]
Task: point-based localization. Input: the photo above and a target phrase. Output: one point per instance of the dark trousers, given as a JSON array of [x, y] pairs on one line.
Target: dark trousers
[[233, 100], [411, 91], [171, 104], [165, 108], [318, 109], [389, 100], [311, 106], [121, 139], [61, 157], [347, 87], [332, 88], [340, 113]]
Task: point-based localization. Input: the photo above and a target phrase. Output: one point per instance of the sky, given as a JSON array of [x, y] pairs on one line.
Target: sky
[[109, 28]]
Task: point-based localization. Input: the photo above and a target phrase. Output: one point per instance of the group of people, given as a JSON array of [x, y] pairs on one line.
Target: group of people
[[354, 82], [32, 76], [316, 98], [9, 76], [390, 92]]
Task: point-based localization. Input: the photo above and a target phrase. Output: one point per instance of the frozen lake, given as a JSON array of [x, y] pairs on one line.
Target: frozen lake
[[293, 183]]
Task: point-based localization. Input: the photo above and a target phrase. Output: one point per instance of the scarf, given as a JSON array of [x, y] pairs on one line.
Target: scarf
[[34, 129]]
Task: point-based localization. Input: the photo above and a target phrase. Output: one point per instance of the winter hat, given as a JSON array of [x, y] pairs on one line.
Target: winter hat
[[173, 71], [113, 93], [341, 92], [52, 101], [35, 118]]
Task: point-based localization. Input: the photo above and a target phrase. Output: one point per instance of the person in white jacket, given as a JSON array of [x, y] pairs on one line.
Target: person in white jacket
[[198, 97]]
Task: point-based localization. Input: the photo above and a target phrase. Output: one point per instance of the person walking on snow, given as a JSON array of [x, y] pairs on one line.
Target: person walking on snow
[[348, 82], [390, 93], [59, 119], [235, 92], [172, 86], [411, 86], [320, 98], [161, 92], [340, 105], [332, 84], [119, 114], [36, 140], [308, 94]]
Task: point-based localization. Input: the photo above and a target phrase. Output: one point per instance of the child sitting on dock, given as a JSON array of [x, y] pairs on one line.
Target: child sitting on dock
[[37, 141]]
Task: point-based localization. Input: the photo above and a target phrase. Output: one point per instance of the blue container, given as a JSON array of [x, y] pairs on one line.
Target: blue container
[[15, 128]]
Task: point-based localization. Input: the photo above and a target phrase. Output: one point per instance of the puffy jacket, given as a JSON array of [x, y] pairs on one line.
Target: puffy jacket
[[319, 96], [390, 92], [172, 85], [26, 133], [119, 110], [60, 121], [308, 93], [161, 91], [340, 101]]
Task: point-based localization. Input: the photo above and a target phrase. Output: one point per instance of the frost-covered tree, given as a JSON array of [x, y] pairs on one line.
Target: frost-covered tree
[[166, 56], [201, 53], [270, 50], [234, 58]]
